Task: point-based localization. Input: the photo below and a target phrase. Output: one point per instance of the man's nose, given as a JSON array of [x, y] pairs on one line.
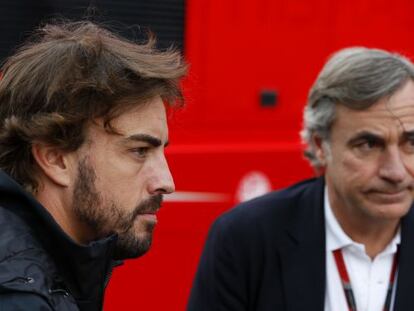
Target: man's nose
[[162, 181], [392, 167]]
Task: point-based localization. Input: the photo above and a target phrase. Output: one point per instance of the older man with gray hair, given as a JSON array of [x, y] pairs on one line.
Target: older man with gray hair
[[345, 240]]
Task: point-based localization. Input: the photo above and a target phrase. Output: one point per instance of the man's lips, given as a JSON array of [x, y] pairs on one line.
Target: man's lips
[[148, 217], [149, 212], [149, 208], [389, 196]]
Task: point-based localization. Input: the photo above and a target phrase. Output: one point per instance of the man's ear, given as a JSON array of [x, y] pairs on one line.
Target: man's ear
[[53, 163], [320, 149]]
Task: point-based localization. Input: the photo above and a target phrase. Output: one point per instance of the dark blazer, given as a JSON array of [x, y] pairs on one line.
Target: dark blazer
[[268, 254]]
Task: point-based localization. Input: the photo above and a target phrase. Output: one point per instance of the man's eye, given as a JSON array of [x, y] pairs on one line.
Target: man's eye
[[367, 145], [370, 144], [141, 151], [410, 145]]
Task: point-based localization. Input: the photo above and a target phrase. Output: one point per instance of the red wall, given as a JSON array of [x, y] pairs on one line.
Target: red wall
[[236, 48]]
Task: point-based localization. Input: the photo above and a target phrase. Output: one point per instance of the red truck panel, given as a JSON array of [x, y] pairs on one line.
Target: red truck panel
[[236, 49]]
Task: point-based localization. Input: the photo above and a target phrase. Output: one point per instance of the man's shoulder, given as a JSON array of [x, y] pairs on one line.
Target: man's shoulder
[[16, 235], [24, 301], [255, 227], [23, 260], [275, 206], [27, 270]]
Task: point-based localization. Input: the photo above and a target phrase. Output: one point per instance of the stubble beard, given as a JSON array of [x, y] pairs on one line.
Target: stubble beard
[[105, 217]]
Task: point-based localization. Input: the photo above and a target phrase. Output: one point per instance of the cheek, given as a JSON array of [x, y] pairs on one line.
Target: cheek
[[353, 171], [117, 175], [125, 190], [122, 181], [118, 189], [409, 164]]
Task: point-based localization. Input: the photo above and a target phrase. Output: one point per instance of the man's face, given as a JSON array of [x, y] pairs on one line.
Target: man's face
[[121, 178], [369, 160]]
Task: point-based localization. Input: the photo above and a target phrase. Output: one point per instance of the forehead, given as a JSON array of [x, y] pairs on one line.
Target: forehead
[[388, 114], [148, 118]]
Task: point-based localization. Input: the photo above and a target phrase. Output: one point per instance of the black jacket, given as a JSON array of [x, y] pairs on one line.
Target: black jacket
[[268, 254], [41, 268]]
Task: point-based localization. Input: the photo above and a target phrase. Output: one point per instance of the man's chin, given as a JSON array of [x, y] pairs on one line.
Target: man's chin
[[127, 248], [388, 210]]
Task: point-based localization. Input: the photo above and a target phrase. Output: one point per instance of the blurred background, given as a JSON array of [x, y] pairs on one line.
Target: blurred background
[[252, 63]]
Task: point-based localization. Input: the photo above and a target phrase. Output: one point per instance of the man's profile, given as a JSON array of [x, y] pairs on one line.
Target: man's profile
[[83, 128], [345, 240]]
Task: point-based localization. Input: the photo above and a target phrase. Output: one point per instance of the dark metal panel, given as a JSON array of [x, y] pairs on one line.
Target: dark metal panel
[[131, 18]]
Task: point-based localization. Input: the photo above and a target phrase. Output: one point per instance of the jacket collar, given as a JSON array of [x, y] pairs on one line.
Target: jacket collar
[[303, 254], [83, 267], [405, 277]]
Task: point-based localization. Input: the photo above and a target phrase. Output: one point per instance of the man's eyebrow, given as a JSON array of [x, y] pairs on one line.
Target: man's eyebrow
[[154, 141], [365, 136]]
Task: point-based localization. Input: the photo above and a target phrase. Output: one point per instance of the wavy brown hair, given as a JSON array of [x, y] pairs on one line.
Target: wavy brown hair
[[69, 74]]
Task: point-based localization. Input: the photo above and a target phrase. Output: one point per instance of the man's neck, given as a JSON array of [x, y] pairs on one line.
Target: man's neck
[[64, 217], [374, 235], [375, 239]]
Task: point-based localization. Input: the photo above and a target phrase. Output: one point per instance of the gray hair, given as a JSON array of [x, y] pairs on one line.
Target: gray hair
[[356, 78]]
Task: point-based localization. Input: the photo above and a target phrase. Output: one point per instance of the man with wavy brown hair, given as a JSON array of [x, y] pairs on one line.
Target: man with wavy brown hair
[[83, 129]]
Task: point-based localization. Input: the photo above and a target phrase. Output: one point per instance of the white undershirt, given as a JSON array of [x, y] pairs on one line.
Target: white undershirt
[[369, 278]]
